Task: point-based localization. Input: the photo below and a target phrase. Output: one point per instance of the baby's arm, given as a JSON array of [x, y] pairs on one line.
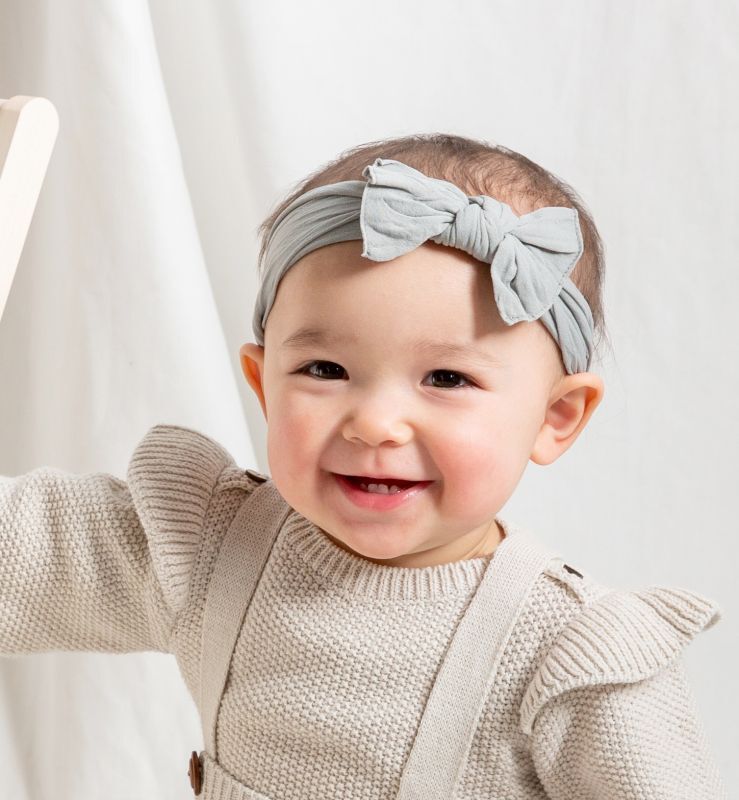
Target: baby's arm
[[92, 562], [76, 573], [610, 712], [627, 740]]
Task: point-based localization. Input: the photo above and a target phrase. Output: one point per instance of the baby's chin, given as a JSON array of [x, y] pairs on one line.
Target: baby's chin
[[381, 541], [379, 552]]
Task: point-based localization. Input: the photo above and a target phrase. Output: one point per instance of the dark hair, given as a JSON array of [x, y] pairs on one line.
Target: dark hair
[[476, 167]]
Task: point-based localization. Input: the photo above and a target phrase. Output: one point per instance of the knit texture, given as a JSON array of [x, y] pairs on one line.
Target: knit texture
[[337, 655]]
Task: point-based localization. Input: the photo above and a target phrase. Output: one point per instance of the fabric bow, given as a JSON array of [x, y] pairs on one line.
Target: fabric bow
[[530, 256]]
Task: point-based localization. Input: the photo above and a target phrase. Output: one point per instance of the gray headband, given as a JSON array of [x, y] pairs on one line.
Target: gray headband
[[399, 208]]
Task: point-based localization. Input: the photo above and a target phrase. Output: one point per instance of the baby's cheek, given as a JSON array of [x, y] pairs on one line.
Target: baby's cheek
[[292, 439], [292, 460], [477, 467]]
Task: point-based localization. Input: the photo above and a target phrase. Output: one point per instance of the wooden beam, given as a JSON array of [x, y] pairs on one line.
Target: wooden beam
[[28, 130]]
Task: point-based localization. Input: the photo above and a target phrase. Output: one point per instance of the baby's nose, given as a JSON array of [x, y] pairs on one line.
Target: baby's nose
[[374, 424]]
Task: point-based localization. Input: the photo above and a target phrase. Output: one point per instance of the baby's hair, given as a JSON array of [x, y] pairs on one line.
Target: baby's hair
[[476, 167]]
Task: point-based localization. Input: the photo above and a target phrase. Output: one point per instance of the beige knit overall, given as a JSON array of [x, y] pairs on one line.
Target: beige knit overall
[[463, 681]]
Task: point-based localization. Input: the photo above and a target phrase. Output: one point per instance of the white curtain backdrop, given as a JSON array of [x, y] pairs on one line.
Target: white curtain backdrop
[[183, 123]]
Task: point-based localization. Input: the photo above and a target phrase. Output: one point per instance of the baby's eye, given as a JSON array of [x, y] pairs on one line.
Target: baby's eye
[[320, 367], [327, 370], [449, 376]]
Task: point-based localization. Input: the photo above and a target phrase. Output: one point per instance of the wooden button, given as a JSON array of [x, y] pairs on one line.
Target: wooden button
[[195, 772], [252, 473], [573, 571]]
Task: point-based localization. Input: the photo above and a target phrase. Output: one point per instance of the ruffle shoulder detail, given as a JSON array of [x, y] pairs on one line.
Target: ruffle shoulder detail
[[172, 476], [622, 637]]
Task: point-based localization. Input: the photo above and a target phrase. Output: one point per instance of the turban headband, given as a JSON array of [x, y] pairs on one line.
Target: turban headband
[[399, 208]]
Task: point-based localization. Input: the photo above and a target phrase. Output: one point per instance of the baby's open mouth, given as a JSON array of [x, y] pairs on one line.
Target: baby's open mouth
[[380, 486]]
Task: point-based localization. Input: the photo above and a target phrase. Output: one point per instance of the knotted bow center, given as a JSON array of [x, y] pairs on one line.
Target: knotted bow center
[[478, 228]]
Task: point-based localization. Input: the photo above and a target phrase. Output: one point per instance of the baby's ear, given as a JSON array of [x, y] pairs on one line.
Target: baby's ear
[[571, 404], [252, 365]]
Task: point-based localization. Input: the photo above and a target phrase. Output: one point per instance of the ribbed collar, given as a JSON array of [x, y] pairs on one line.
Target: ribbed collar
[[357, 576]]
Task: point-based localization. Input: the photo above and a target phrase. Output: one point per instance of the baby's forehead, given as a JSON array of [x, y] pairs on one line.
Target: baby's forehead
[[417, 293], [339, 336], [340, 272]]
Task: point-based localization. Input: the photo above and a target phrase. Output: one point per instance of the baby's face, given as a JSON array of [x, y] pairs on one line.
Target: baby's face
[[371, 396]]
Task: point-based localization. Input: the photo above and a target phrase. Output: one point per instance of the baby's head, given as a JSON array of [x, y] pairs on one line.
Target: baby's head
[[405, 368]]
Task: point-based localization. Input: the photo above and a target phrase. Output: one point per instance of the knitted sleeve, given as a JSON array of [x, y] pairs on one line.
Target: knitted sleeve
[[610, 711], [91, 562]]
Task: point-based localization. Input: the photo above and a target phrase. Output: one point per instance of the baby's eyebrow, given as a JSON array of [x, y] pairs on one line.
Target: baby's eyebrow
[[442, 349], [307, 336]]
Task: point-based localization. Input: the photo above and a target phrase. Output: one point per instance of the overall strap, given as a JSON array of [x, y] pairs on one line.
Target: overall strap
[[463, 683], [239, 564]]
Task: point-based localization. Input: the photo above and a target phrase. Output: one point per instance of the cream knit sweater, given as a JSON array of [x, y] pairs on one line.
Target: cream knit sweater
[[337, 655]]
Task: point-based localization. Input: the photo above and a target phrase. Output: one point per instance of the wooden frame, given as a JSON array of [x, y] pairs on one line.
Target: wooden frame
[[28, 130]]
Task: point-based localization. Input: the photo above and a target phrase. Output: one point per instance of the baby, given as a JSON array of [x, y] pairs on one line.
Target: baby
[[363, 623]]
